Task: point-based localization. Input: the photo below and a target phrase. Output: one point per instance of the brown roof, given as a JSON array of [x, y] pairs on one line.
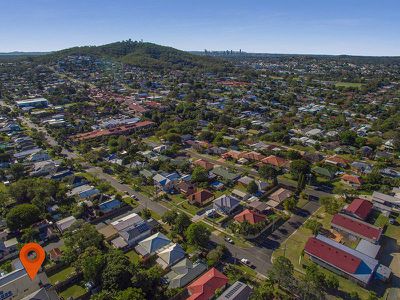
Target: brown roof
[[200, 196], [204, 164], [275, 161]]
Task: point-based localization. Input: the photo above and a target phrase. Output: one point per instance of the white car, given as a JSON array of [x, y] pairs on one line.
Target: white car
[[245, 261], [229, 240]]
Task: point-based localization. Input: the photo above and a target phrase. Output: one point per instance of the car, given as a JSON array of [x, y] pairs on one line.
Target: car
[[392, 221], [229, 240], [134, 197], [245, 261]]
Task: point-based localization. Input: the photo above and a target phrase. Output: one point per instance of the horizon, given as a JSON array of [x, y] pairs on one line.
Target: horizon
[[307, 28], [209, 50]]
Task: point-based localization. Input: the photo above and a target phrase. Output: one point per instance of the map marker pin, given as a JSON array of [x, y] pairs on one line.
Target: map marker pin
[[32, 256]]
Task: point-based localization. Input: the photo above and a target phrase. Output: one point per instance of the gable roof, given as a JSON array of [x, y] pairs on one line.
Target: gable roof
[[280, 195], [237, 291], [250, 216], [184, 272], [360, 207], [358, 227], [334, 256], [204, 287], [204, 164]]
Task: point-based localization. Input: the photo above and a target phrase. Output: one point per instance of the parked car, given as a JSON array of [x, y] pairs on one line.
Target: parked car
[[229, 240]]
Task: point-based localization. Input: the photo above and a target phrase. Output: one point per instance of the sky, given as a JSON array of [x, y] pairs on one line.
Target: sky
[[356, 27]]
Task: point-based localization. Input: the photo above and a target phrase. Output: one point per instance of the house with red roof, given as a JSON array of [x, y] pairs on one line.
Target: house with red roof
[[200, 197], [232, 154], [355, 228], [250, 216], [340, 259], [352, 180], [359, 208], [253, 156], [204, 288], [337, 161], [275, 161], [204, 164]]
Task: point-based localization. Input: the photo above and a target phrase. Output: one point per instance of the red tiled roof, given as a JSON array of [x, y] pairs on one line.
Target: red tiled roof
[[252, 155], [113, 131], [332, 255], [352, 178], [360, 208], [275, 161], [250, 216], [336, 159], [204, 288], [204, 164], [361, 228]]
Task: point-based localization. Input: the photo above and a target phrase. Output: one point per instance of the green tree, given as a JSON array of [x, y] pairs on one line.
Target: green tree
[[282, 271], [78, 238], [199, 174], [117, 273], [299, 167], [90, 263], [169, 217], [252, 188], [290, 204], [149, 281], [22, 216], [198, 234], [130, 294], [182, 222], [215, 255], [313, 225], [17, 171]]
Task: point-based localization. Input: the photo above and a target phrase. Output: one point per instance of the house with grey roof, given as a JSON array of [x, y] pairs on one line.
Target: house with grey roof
[[184, 272], [170, 255], [152, 244], [237, 291], [226, 204]]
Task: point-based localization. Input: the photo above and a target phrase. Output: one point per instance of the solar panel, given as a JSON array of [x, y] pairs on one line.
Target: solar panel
[[233, 290]]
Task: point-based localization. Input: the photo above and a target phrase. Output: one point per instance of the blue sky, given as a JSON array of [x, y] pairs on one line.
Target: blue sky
[[362, 27]]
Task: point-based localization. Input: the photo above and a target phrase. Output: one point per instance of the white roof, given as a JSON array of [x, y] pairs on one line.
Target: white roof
[[126, 221]]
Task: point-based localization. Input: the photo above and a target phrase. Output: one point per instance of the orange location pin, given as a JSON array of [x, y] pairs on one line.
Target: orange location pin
[[32, 256]]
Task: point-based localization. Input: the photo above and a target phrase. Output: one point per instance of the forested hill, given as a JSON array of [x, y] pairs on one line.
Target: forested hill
[[145, 55]]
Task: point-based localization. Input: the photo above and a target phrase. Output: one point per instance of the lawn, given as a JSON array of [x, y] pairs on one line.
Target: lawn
[[348, 84], [393, 231], [62, 275], [133, 256], [74, 291], [293, 247]]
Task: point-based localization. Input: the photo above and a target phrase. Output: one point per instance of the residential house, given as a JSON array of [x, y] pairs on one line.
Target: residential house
[[359, 208], [238, 194], [226, 204], [65, 223], [152, 244], [186, 188], [361, 167], [250, 216], [355, 228], [200, 197], [237, 291], [184, 272], [166, 182], [277, 197], [276, 161], [337, 161], [204, 164], [259, 206], [225, 174], [204, 288], [170, 255], [324, 172], [352, 180], [110, 205], [385, 203]]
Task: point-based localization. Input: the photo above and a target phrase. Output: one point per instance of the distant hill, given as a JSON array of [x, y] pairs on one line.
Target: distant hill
[[145, 55], [19, 53]]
